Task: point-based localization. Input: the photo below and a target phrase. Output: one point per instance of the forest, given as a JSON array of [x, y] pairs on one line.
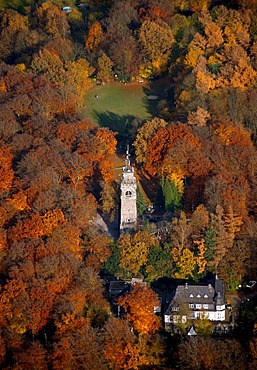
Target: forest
[[197, 155]]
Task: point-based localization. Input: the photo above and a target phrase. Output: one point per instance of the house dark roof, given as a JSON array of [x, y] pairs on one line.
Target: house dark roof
[[220, 290], [195, 293], [118, 286], [212, 294]]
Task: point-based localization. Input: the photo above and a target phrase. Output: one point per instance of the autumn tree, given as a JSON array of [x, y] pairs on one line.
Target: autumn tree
[[6, 171], [52, 20], [134, 251], [125, 55], [71, 76], [145, 133], [124, 350], [155, 36], [188, 250], [217, 60], [49, 64], [199, 117], [109, 199], [94, 37], [17, 38], [194, 6], [120, 344], [203, 327], [104, 70], [35, 355], [97, 308], [77, 345], [141, 315], [96, 248], [201, 353], [120, 40], [172, 152]]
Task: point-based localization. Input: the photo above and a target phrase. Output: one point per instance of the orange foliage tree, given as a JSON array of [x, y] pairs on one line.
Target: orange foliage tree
[[6, 171], [120, 344], [94, 37], [37, 226], [139, 306]]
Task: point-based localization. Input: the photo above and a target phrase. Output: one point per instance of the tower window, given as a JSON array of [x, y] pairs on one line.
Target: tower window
[[128, 193]]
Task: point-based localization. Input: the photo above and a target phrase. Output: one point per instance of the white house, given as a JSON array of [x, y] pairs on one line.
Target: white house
[[197, 301]]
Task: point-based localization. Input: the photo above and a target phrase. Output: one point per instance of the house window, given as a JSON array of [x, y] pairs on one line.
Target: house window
[[198, 296], [198, 305], [191, 295], [191, 305], [205, 306], [205, 296]]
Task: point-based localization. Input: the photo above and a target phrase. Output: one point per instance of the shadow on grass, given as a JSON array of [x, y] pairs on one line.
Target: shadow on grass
[[161, 89], [125, 125], [150, 105]]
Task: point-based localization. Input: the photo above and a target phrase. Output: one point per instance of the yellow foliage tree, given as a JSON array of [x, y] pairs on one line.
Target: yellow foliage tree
[[198, 118], [134, 250], [77, 78], [203, 327], [174, 173], [192, 56], [200, 259], [156, 37], [185, 263], [232, 222], [19, 201]]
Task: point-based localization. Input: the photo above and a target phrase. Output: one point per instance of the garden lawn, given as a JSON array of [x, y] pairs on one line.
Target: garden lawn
[[116, 105]]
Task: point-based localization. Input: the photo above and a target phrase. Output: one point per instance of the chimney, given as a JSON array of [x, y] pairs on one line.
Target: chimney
[[186, 285]]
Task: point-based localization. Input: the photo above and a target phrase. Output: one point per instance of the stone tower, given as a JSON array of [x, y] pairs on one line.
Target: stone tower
[[128, 197]]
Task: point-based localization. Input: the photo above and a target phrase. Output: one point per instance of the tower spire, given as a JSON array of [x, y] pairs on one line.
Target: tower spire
[[128, 196], [127, 161]]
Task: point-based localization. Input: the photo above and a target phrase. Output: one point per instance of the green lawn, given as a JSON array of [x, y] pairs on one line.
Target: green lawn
[[117, 105]]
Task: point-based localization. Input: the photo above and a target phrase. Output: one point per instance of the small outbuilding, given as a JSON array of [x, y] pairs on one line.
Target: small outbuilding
[[66, 9]]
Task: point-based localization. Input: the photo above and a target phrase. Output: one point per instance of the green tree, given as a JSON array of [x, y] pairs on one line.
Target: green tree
[[111, 266], [203, 327], [210, 243], [141, 202], [159, 262], [172, 198]]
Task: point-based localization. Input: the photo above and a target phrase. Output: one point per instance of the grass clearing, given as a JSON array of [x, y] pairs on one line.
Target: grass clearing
[[116, 105]]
